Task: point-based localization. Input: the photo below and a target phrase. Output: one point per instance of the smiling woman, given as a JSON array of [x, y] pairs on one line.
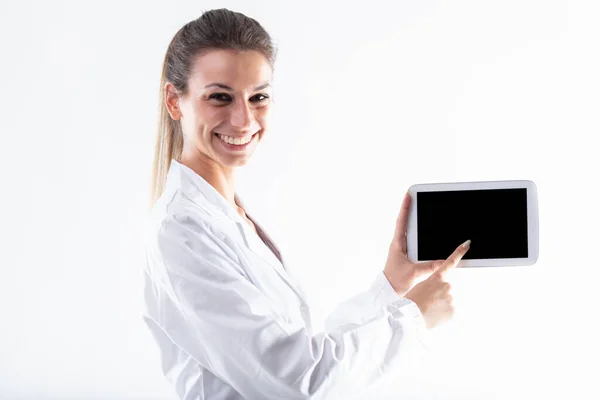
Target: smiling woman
[[223, 109], [230, 320]]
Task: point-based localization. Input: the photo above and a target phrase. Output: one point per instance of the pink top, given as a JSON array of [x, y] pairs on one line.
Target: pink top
[[262, 234]]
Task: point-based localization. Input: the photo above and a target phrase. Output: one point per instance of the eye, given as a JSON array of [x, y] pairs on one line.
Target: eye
[[259, 97], [220, 96]]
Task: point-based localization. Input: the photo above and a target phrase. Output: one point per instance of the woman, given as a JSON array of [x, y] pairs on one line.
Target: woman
[[229, 319]]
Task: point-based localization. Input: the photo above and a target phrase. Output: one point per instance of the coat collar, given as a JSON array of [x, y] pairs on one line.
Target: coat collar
[[203, 194], [200, 192]]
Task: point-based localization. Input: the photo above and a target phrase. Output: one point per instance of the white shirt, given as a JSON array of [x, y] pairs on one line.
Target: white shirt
[[232, 323]]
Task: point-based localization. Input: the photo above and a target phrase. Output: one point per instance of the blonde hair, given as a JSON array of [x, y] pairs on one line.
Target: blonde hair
[[214, 29]]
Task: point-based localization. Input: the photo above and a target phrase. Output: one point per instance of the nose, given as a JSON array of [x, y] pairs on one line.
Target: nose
[[241, 116]]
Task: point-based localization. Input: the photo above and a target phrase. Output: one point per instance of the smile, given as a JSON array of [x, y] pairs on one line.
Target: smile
[[235, 141]]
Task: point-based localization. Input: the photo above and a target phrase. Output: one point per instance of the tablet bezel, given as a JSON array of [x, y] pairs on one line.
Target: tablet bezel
[[532, 220]]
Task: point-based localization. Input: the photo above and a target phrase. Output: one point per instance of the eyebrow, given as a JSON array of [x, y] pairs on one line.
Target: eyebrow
[[222, 86]]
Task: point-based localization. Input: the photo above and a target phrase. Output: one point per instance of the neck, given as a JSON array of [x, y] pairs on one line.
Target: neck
[[222, 179]]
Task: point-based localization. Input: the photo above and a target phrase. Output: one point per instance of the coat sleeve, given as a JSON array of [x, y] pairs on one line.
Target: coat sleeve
[[361, 307], [228, 326]]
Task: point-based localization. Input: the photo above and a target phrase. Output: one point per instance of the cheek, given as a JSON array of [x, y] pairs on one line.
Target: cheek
[[208, 118], [263, 118]]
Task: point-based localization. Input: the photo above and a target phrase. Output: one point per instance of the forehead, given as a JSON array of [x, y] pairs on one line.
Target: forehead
[[241, 70]]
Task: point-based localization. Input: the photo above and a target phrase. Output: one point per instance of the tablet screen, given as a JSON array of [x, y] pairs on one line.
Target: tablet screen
[[494, 219]]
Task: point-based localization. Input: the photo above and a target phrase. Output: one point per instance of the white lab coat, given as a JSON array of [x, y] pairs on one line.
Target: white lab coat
[[232, 323]]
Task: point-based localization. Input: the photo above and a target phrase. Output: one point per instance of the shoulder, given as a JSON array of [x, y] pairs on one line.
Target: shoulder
[[177, 215], [180, 230]]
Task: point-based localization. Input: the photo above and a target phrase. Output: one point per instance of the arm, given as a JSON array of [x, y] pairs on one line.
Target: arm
[[243, 337], [361, 307]]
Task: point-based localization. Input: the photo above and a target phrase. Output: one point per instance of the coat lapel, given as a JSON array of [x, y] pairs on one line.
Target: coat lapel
[[264, 247], [207, 197]]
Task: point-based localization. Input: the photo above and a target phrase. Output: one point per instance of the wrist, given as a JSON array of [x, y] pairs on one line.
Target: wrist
[[400, 290]]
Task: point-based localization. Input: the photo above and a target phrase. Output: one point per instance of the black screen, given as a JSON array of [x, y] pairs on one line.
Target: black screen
[[494, 219]]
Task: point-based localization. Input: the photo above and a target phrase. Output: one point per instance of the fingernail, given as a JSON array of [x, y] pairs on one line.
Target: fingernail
[[467, 243], [408, 192]]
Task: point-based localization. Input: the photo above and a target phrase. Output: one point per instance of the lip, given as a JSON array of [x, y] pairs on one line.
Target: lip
[[235, 147]]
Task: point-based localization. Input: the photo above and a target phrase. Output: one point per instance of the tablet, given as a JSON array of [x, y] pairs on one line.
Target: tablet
[[500, 218]]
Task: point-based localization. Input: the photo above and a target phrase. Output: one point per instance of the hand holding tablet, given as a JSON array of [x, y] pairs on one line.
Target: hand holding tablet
[[496, 220], [432, 295]]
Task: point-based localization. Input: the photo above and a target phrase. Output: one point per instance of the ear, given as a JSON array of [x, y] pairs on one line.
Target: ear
[[172, 101]]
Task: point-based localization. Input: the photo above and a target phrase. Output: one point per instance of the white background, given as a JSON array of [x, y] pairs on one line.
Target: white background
[[370, 98]]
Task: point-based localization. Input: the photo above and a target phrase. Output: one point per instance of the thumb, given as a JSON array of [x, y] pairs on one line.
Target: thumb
[[402, 223], [429, 267]]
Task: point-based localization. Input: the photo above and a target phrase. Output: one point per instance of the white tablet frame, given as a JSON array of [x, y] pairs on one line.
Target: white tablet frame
[[532, 220]]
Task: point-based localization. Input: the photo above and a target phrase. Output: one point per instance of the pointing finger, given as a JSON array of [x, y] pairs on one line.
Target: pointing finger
[[452, 261]]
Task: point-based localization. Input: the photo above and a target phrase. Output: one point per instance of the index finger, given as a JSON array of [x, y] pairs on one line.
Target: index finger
[[454, 258]]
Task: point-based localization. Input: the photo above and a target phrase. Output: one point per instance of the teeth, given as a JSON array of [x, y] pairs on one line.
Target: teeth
[[231, 140]]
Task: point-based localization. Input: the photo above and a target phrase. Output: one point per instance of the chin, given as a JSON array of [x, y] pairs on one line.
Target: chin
[[232, 160], [235, 161]]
